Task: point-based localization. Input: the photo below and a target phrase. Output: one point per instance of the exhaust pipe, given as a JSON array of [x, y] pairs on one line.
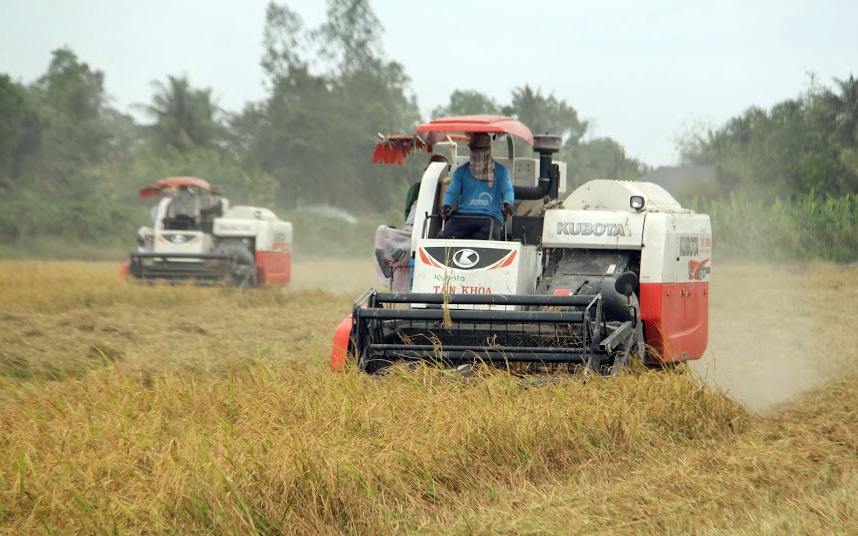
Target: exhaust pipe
[[545, 145]]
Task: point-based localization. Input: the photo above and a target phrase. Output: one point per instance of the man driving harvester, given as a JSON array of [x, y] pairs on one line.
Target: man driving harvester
[[484, 190]]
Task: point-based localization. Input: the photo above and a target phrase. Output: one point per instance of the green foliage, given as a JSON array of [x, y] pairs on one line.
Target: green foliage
[[842, 107], [325, 236], [350, 38], [601, 158], [94, 221], [314, 134], [242, 182], [53, 131], [546, 114], [789, 151], [70, 100], [773, 166], [67, 154], [14, 109], [185, 118], [810, 227], [70, 165], [467, 102]]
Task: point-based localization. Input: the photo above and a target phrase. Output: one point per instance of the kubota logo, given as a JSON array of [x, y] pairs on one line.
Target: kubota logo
[[466, 258], [698, 269], [584, 229]]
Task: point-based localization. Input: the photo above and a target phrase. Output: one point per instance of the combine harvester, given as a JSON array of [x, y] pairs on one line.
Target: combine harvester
[[218, 244], [581, 282]]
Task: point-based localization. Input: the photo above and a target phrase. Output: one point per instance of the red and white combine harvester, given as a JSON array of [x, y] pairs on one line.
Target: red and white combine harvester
[[197, 236], [580, 281]]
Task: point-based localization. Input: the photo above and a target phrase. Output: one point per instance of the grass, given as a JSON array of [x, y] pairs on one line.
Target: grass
[[152, 410]]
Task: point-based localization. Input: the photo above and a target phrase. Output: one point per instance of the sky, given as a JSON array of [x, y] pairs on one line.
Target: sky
[[641, 72]]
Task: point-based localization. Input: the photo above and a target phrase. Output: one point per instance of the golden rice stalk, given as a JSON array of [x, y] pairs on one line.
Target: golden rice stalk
[[446, 321]]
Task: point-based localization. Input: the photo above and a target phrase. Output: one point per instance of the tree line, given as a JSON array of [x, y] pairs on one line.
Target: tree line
[[330, 89], [71, 164], [800, 146], [786, 177]]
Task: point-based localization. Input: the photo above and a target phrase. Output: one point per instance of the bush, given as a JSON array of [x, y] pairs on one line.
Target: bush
[[809, 227]]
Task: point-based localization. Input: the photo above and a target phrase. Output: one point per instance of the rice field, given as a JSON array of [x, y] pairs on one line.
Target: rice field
[[130, 409]]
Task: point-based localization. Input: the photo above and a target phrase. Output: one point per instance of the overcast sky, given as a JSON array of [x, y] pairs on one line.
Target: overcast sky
[[640, 71]]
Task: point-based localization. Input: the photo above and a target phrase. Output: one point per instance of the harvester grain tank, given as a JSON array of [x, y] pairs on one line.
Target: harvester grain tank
[[208, 241], [580, 281]]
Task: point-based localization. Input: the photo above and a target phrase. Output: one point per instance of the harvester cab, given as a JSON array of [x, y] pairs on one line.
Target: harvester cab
[[196, 235], [580, 281]]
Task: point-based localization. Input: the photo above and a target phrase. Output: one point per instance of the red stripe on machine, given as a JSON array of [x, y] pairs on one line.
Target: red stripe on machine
[[427, 259], [275, 267], [676, 319], [506, 261]]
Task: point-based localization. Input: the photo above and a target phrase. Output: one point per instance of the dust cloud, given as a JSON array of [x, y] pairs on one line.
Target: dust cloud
[[777, 331], [351, 276]]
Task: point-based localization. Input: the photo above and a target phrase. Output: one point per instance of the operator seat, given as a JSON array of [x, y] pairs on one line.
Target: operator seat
[[180, 222]]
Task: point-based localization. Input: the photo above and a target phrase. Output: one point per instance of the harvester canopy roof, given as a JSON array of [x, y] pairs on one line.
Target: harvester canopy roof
[[153, 190], [490, 124], [394, 149]]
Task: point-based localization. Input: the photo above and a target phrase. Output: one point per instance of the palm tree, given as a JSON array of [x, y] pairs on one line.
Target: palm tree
[[184, 117], [843, 109], [546, 114]]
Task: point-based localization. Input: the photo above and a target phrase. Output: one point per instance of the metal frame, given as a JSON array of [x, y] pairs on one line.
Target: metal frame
[[430, 217], [518, 329], [191, 266]]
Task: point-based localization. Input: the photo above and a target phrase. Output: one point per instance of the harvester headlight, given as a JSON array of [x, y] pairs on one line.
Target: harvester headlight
[[637, 202]]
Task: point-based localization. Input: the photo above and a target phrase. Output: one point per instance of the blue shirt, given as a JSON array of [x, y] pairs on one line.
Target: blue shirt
[[475, 196]]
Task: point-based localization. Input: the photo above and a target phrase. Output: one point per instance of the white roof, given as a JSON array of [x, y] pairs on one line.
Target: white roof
[[615, 195], [244, 212]]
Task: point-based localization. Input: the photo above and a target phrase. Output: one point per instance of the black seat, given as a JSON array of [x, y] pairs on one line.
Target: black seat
[[181, 222]]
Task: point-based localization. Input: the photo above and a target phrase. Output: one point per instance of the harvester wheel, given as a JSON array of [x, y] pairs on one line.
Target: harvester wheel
[[245, 276], [244, 273]]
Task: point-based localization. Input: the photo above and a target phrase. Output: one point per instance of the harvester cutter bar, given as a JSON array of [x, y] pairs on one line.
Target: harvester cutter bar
[[181, 266], [474, 315], [166, 256], [466, 354], [482, 299], [513, 328]]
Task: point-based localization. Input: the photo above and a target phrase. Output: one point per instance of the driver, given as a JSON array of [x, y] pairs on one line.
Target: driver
[[186, 204], [483, 188]]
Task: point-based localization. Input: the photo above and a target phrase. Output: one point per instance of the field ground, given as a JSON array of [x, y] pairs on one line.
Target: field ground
[[778, 331], [136, 409]]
